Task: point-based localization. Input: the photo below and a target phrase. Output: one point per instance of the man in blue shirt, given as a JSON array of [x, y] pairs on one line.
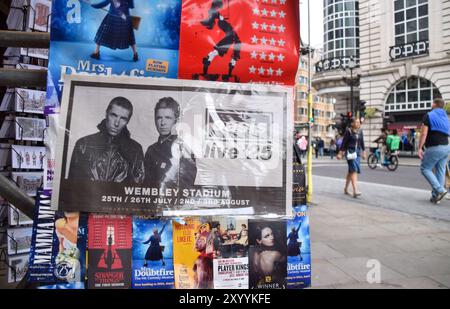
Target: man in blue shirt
[[434, 136]]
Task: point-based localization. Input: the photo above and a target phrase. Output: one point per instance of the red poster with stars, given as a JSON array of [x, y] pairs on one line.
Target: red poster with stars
[[240, 41]]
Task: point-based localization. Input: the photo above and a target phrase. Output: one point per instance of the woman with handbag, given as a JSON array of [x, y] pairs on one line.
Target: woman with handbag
[[354, 149]]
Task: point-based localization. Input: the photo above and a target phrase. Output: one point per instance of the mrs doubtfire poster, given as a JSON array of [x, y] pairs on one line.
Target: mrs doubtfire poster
[[111, 37]]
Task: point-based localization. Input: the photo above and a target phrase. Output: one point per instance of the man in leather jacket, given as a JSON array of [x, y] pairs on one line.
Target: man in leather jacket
[[168, 162], [110, 155]]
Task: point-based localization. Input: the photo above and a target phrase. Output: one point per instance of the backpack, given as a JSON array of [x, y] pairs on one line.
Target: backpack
[[393, 142]]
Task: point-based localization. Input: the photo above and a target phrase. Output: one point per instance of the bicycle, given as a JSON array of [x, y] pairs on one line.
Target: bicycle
[[390, 160]]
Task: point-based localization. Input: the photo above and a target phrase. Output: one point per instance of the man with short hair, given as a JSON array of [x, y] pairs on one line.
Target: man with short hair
[[110, 155], [434, 136], [168, 162]]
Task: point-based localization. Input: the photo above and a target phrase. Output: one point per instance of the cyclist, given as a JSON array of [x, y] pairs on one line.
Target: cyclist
[[381, 141]]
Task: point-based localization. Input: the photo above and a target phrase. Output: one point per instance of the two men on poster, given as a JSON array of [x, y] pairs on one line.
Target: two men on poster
[[111, 155]]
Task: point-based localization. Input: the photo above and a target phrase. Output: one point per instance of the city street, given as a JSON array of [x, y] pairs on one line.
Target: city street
[[392, 222]]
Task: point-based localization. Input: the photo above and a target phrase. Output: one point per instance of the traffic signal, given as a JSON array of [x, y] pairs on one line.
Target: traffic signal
[[313, 115], [343, 123], [362, 109]]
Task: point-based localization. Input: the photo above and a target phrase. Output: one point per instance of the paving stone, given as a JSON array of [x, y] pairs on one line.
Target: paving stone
[[442, 279], [411, 243], [325, 273], [404, 228], [418, 264], [357, 268], [416, 283], [372, 247], [320, 250]]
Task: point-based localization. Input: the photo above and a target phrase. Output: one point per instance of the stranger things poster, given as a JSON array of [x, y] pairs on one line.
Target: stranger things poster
[[267, 254], [152, 253], [58, 248], [240, 40], [111, 37], [109, 252], [173, 147]]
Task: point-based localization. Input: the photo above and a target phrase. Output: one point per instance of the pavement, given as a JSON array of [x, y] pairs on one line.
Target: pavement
[[402, 161], [395, 229]]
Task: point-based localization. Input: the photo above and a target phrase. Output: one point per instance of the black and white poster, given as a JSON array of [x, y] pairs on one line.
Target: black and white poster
[[144, 146]]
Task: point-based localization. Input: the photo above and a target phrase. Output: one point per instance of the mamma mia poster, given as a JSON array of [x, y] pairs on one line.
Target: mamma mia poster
[[173, 147], [111, 37]]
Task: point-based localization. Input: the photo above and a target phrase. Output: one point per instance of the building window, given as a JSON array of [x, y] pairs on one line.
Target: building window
[[412, 94], [341, 30], [411, 26]]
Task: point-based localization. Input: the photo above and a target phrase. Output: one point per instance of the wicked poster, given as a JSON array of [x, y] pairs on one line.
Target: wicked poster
[[109, 244], [172, 147], [240, 40], [106, 37]]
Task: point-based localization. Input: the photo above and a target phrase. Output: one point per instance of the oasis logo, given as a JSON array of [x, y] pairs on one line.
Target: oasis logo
[[235, 134], [413, 49]]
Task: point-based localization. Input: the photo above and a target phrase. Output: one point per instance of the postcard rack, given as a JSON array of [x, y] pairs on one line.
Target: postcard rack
[[4, 260], [29, 14]]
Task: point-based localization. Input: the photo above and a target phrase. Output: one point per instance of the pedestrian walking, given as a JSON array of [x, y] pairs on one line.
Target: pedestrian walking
[[315, 145], [321, 147], [333, 148], [302, 144], [354, 149], [434, 137]]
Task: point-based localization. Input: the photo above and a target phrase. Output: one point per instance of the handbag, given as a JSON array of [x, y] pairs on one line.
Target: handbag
[[352, 156], [135, 21]]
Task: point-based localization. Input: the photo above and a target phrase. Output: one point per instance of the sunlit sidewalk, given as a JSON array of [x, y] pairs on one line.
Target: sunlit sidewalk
[[353, 244]]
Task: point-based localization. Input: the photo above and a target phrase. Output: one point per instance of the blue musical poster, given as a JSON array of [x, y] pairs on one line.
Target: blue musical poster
[[111, 37], [299, 250]]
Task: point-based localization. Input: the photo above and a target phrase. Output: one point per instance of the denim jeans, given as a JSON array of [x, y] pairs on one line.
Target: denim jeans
[[332, 153], [435, 158]]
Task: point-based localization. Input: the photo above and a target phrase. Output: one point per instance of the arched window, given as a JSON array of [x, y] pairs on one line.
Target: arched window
[[412, 94]]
